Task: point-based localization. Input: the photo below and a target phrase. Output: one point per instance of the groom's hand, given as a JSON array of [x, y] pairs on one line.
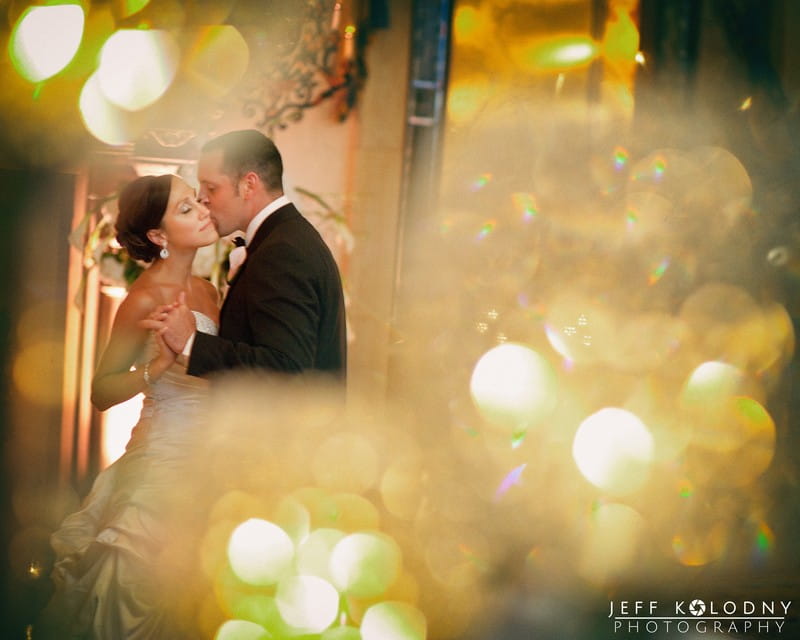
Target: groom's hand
[[175, 323]]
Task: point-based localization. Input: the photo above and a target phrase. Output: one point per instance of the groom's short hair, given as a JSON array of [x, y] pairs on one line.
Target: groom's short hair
[[249, 150]]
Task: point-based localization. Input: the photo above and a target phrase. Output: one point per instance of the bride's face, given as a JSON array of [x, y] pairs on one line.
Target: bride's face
[[186, 222]]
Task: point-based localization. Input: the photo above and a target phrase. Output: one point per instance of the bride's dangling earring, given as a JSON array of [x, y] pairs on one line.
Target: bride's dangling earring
[[164, 253]]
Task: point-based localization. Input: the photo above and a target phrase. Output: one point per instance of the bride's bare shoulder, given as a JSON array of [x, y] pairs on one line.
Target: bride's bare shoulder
[[141, 299], [208, 288]]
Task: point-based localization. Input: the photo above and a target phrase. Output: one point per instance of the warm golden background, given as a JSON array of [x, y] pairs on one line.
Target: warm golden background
[[568, 232]]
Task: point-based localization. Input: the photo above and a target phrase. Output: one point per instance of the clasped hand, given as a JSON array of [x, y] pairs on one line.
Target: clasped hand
[[174, 323]]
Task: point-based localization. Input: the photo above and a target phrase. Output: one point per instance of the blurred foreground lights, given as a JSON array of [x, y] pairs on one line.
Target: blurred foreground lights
[[345, 461], [612, 541], [393, 621], [128, 8], [341, 632], [241, 630], [217, 59], [613, 450], [260, 552], [105, 121], [514, 387], [308, 604], [313, 553], [710, 384], [554, 54], [137, 67], [45, 39], [36, 373], [695, 546], [734, 445], [365, 565]]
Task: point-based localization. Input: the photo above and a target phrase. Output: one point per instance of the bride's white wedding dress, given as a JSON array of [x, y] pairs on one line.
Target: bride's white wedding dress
[[125, 562]]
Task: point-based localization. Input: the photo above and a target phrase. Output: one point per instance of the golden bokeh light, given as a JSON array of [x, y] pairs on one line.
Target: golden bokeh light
[[611, 542], [647, 217], [472, 25], [733, 444], [127, 8], [721, 185], [696, 546], [711, 384], [645, 342], [216, 59], [307, 603], [260, 552], [393, 621], [779, 346], [137, 67], [404, 589], [45, 39], [257, 607], [241, 630], [596, 338], [402, 487], [294, 518], [553, 54], [457, 563], [365, 564], [614, 450], [355, 512], [466, 97], [318, 502], [514, 387], [341, 632], [621, 38], [314, 553], [727, 323], [345, 462], [239, 505], [36, 322], [105, 121], [27, 551], [37, 372], [214, 546]]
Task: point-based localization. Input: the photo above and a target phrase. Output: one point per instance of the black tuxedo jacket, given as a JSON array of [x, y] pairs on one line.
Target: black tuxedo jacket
[[285, 308]]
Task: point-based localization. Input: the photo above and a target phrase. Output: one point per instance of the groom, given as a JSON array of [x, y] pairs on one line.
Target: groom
[[284, 310]]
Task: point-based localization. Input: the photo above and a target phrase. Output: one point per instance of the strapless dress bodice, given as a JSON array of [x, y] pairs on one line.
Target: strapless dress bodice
[[175, 392]]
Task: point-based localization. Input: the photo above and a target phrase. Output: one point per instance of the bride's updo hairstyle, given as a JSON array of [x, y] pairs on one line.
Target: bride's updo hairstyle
[[142, 204]]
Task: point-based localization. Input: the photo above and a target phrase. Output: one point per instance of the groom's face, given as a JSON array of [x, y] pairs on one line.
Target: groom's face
[[220, 194]]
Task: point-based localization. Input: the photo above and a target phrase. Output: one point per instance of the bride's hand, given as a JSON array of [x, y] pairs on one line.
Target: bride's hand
[[157, 316], [162, 361]]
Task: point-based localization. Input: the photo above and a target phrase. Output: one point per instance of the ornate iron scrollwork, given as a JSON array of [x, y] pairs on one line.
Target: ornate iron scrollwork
[[325, 60]]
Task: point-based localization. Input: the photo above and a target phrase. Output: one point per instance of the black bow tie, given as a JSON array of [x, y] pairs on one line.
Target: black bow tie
[[239, 241]]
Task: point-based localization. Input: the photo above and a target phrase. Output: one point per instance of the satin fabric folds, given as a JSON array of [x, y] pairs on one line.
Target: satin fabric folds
[[126, 562]]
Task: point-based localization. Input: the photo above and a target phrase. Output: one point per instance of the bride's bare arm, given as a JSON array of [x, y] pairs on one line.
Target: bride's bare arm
[[114, 380]]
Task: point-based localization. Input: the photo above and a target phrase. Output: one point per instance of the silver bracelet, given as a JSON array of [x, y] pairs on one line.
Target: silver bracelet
[[146, 374]]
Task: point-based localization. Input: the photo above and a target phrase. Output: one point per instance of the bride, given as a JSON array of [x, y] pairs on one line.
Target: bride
[[123, 561]]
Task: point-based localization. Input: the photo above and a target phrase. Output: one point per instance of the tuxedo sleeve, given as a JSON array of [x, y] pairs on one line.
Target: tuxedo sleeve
[[282, 312]]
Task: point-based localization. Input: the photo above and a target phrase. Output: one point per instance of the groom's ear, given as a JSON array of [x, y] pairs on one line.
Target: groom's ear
[[250, 182]]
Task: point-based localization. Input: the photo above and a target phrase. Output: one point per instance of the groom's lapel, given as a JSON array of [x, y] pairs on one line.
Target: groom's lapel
[[273, 220], [233, 281]]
